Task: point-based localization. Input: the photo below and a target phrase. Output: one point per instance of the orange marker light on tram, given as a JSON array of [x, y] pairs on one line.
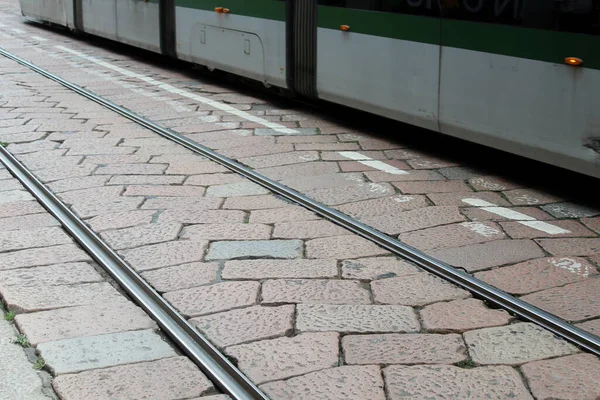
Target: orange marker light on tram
[[219, 9], [226, 10], [345, 28], [573, 61]]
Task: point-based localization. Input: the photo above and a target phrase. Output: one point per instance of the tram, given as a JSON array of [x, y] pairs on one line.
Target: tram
[[522, 76]]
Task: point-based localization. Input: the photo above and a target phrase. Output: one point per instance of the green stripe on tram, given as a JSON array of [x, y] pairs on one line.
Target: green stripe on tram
[[534, 44], [267, 9]]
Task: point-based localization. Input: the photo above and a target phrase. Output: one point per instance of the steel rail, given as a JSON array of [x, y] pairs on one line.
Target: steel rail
[[479, 288]]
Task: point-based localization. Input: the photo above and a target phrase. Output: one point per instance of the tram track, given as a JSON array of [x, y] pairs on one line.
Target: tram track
[[479, 288]]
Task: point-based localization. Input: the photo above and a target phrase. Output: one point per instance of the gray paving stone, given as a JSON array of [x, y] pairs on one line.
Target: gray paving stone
[[27, 222], [51, 275], [164, 254], [42, 237], [80, 354], [255, 248], [12, 196], [244, 188], [142, 235], [18, 380], [166, 379], [298, 132], [515, 344], [570, 210]]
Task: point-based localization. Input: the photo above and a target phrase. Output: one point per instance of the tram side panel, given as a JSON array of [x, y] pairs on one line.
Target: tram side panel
[[386, 63], [59, 12], [138, 23], [100, 18], [508, 87], [248, 40]]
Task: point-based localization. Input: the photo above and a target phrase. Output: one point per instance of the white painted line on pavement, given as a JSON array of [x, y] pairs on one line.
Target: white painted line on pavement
[[181, 92], [39, 39], [521, 218], [20, 31], [368, 161]]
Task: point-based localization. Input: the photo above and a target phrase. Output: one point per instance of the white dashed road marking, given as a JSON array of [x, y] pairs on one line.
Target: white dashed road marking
[[521, 218], [20, 31], [184, 93], [368, 161]]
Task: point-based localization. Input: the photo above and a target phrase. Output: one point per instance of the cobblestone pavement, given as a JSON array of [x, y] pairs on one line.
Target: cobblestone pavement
[[306, 309]]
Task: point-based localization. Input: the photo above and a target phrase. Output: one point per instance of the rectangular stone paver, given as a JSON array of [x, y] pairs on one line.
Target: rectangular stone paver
[[182, 276], [42, 256], [257, 248], [269, 269], [41, 237], [27, 222], [327, 291], [359, 382], [449, 382], [282, 358], [164, 254], [377, 268], [90, 320], [455, 235], [142, 235], [51, 275], [224, 231], [342, 247], [415, 290], [93, 352], [466, 315], [165, 379], [395, 348], [356, 318]]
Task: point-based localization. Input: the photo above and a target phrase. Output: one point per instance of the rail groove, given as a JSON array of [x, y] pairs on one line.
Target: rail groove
[[479, 288]]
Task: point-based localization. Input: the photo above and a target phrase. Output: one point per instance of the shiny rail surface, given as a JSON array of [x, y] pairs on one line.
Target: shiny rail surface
[[477, 287]]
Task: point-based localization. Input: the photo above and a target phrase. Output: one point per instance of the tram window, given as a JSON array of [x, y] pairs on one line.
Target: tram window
[[419, 7], [581, 16]]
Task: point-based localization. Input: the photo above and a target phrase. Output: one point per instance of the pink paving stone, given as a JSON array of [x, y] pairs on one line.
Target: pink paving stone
[[97, 207], [307, 229], [449, 382], [342, 247], [42, 256], [341, 383], [57, 173], [383, 206], [520, 231], [592, 326], [378, 144], [358, 318], [477, 257], [182, 276], [165, 191], [282, 358], [326, 146], [187, 203], [393, 348], [314, 291], [275, 160], [492, 183], [571, 377], [299, 170], [522, 197], [307, 139], [592, 223], [27, 222], [478, 214], [573, 302], [18, 208], [203, 216], [146, 180], [415, 290], [166, 379], [121, 220], [246, 324], [164, 254], [39, 298], [326, 181], [279, 215], [118, 159], [542, 273], [91, 320], [430, 163], [214, 298], [414, 175], [224, 231], [412, 220], [376, 268], [142, 235], [349, 194], [272, 269], [335, 156], [571, 247], [454, 235], [194, 168], [35, 162], [213, 179], [99, 149], [131, 169], [354, 166], [84, 182], [254, 202], [91, 195], [234, 141], [515, 344], [465, 315], [51, 275], [431, 187], [456, 199], [22, 239]]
